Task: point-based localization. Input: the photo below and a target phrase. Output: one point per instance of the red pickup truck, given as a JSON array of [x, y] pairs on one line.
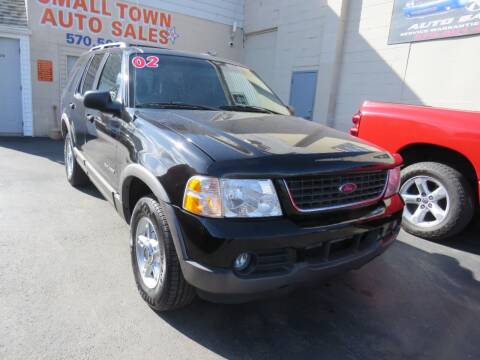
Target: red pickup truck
[[441, 150]]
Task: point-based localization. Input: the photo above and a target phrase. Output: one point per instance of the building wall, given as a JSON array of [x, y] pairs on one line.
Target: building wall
[[435, 73], [370, 69], [13, 13], [346, 42], [49, 42], [299, 25], [222, 11]]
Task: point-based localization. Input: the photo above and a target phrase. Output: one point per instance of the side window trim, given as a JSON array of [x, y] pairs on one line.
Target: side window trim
[[100, 70], [123, 92], [97, 73], [82, 78], [100, 73]]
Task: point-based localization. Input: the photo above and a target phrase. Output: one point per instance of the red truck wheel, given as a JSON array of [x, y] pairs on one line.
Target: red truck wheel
[[438, 201]]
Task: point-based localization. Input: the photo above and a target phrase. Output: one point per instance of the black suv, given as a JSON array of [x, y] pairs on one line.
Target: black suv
[[227, 194]]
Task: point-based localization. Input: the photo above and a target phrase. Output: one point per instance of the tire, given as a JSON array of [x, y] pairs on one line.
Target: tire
[[75, 174], [452, 202], [170, 291]]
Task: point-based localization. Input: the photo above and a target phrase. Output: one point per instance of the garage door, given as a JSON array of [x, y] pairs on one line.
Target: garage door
[[260, 56], [10, 87]]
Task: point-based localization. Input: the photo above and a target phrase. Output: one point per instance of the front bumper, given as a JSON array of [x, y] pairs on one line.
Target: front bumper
[[286, 253]]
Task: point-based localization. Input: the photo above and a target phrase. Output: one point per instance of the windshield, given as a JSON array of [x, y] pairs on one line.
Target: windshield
[[176, 81]]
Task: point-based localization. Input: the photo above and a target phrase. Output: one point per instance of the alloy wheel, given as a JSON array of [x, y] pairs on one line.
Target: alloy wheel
[[426, 201], [69, 156], [150, 254]]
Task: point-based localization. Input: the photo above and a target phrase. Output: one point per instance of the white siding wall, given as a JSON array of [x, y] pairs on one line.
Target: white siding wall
[[222, 11], [26, 85]]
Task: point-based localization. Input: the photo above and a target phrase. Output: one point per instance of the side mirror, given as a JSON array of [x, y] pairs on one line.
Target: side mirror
[[102, 101], [291, 109]]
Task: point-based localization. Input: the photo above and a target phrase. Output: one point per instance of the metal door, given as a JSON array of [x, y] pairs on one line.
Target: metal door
[[302, 93], [11, 121]]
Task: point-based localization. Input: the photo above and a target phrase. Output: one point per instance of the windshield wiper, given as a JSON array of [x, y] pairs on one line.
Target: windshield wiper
[[175, 105], [248, 108], [186, 106]]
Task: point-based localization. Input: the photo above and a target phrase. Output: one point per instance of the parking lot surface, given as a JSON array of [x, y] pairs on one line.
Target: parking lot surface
[[67, 290]]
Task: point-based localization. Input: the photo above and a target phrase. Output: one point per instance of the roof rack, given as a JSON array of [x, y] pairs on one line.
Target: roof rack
[[109, 45], [149, 46]]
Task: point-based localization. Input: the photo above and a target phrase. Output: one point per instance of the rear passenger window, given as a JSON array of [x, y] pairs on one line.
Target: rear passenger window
[[91, 72], [76, 74], [110, 79]]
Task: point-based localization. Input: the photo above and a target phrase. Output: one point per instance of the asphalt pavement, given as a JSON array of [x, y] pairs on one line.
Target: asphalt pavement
[[67, 289]]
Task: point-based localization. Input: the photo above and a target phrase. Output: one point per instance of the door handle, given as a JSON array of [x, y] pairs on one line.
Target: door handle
[[91, 118], [72, 106]]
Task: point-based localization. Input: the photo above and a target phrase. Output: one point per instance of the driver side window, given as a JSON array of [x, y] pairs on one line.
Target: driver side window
[[110, 79]]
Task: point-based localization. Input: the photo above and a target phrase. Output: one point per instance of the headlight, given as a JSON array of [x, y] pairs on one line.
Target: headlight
[[393, 186], [249, 198], [231, 198], [202, 196]]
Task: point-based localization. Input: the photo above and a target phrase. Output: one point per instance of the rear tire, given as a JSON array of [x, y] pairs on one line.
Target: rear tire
[[75, 174], [443, 209], [156, 267]]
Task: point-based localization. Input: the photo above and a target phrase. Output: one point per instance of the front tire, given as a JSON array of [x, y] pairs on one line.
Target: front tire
[[75, 174], [155, 263], [438, 201]]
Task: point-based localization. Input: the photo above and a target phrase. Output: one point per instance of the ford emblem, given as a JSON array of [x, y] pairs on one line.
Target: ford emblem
[[348, 188]]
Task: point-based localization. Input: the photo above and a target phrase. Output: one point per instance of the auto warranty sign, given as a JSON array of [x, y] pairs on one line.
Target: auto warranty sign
[[421, 20]]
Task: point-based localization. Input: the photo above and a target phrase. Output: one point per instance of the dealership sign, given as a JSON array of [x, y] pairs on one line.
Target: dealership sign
[[93, 22], [420, 20]]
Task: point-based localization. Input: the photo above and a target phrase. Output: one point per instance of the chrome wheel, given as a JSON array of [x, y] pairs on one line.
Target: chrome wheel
[[69, 156], [150, 254], [426, 201]]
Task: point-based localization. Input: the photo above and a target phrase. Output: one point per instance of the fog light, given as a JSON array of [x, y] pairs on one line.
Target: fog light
[[242, 261]]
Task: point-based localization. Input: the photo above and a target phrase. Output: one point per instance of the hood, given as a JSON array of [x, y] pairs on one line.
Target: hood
[[233, 136]]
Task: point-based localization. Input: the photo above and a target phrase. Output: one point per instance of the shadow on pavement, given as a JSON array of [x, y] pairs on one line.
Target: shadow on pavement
[[43, 147], [91, 190], [46, 148], [405, 304], [468, 241]]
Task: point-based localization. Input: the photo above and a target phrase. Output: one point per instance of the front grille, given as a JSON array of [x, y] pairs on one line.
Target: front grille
[[340, 249], [320, 192]]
